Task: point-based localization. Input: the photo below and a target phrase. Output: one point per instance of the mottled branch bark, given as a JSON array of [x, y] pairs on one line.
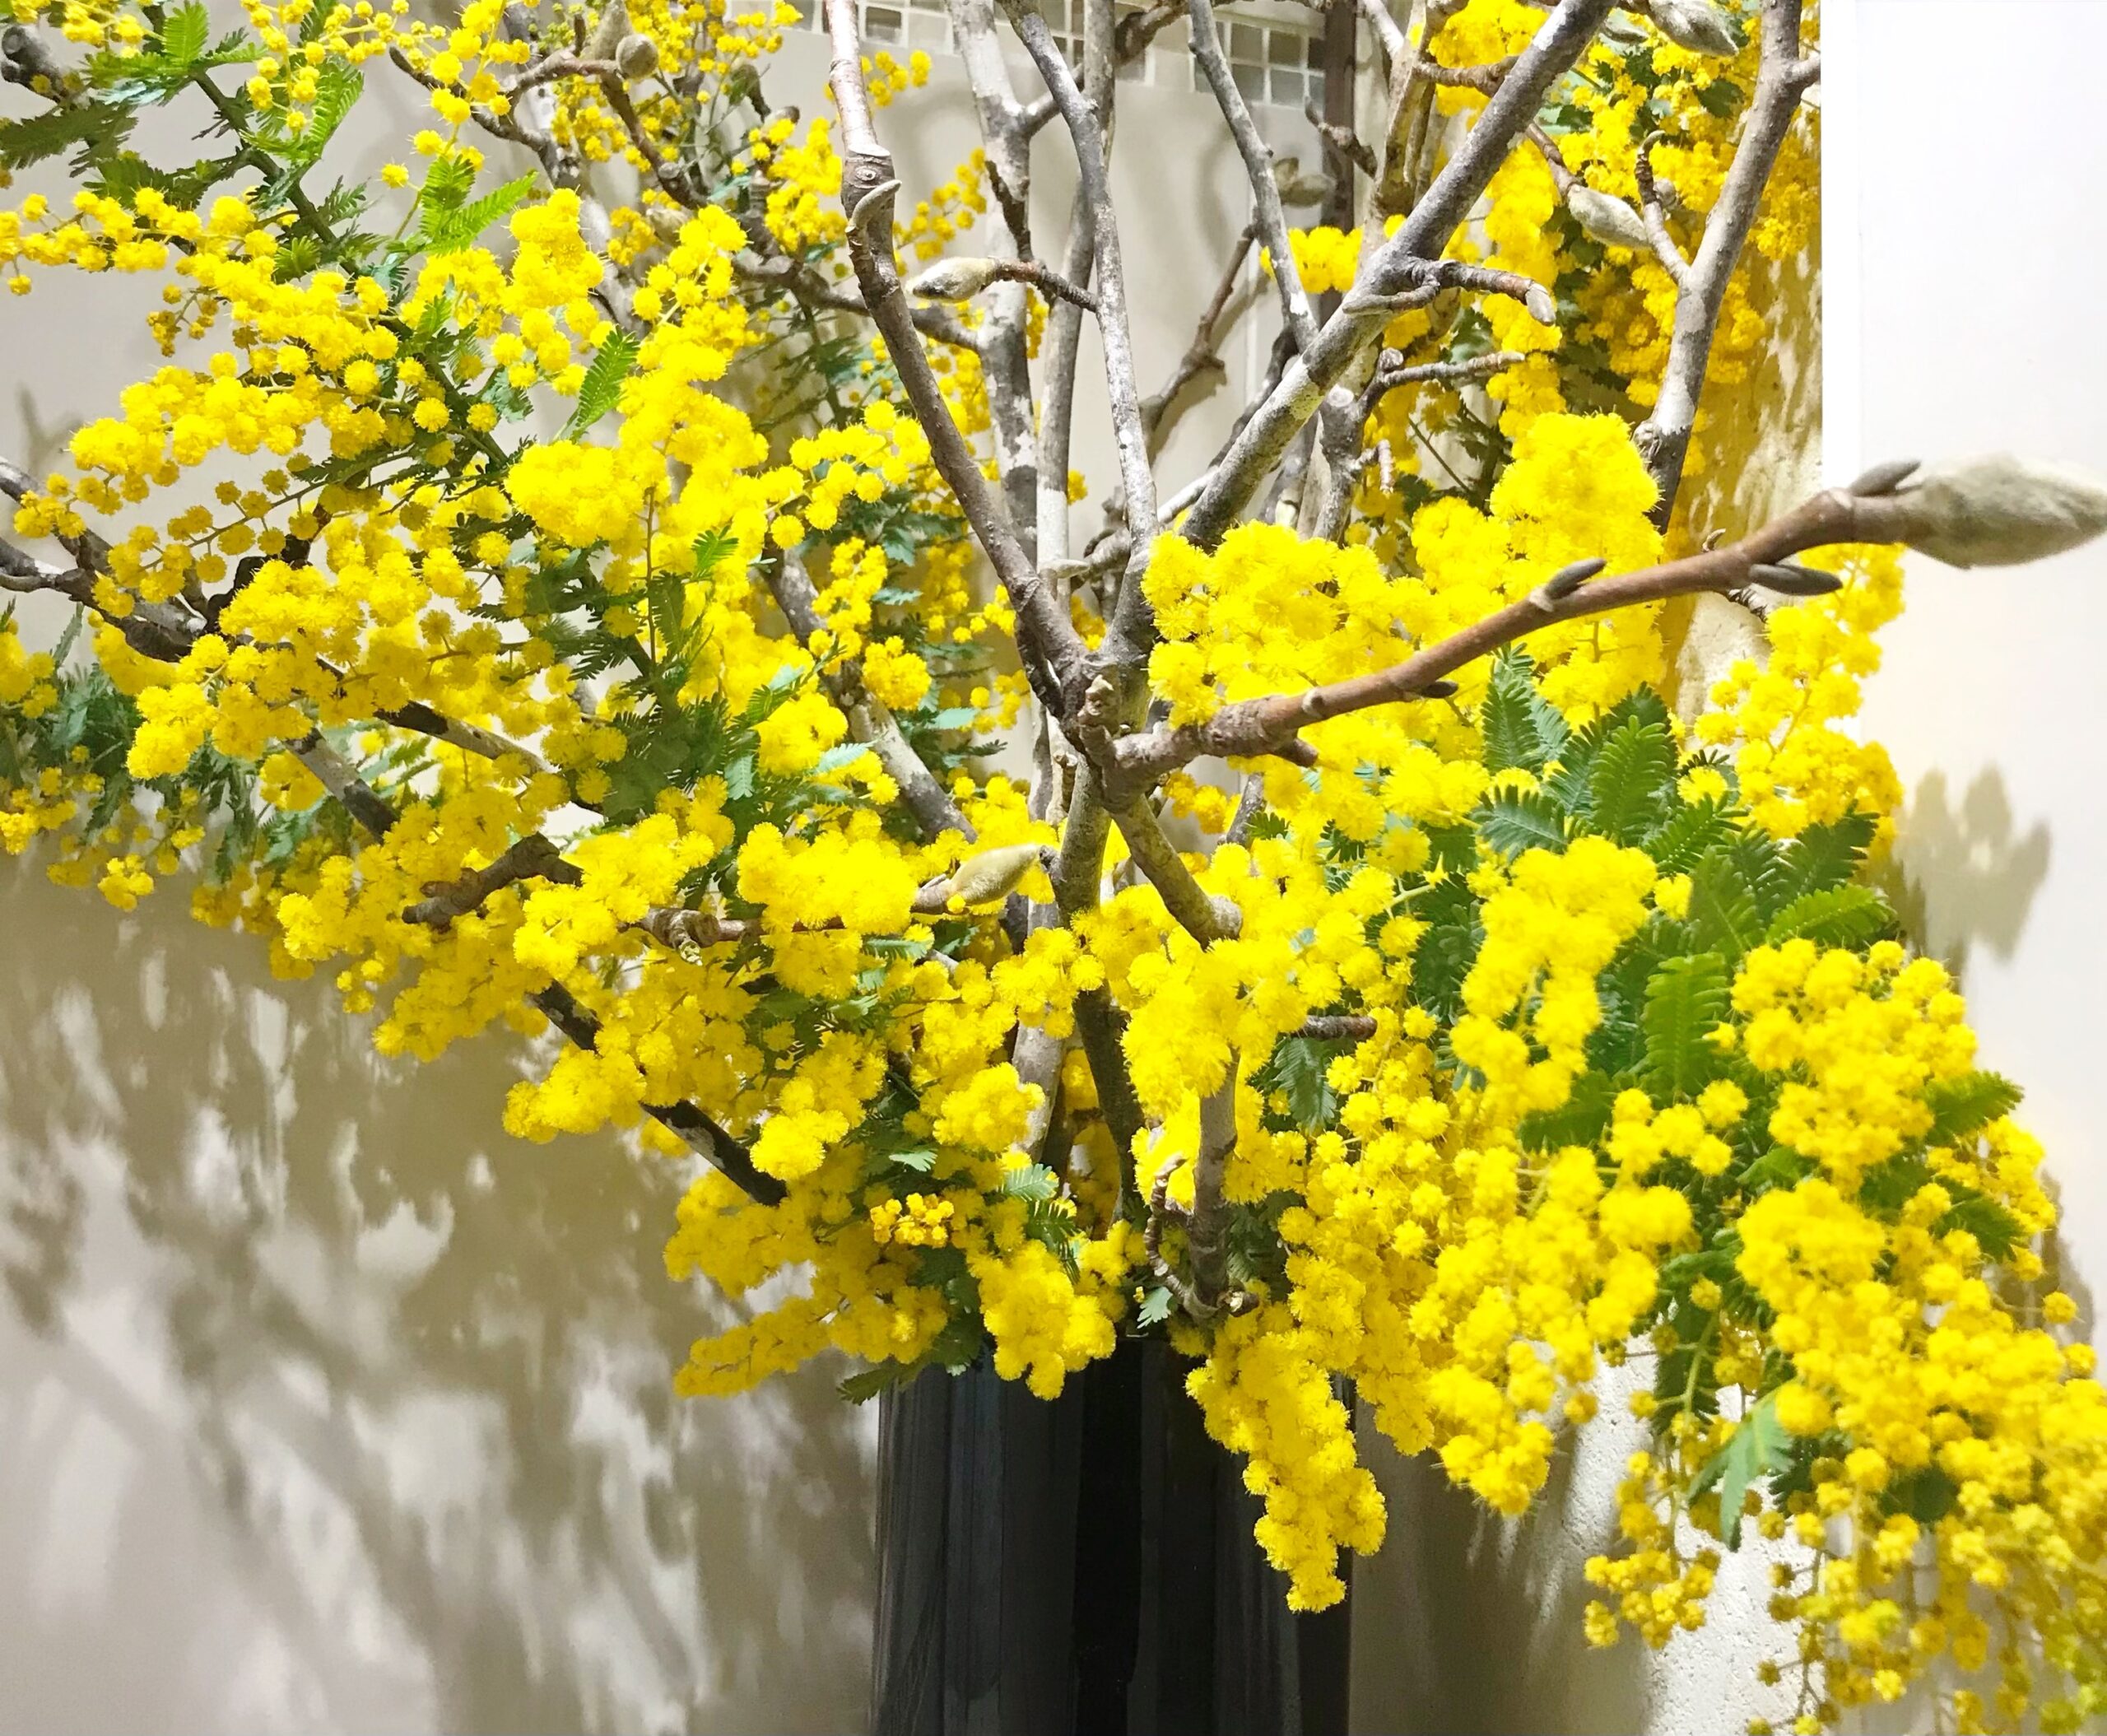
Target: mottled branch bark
[[1784, 78], [1052, 653]]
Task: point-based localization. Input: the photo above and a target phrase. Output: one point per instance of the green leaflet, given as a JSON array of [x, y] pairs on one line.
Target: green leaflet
[[1521, 727], [1837, 916], [1825, 856], [1685, 1000], [601, 389], [1758, 1447], [98, 128], [1513, 822], [1633, 781], [1723, 905], [1967, 1105]]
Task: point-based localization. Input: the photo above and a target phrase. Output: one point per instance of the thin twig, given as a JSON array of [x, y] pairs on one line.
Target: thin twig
[[1267, 214], [1264, 726], [1657, 220], [1201, 356]]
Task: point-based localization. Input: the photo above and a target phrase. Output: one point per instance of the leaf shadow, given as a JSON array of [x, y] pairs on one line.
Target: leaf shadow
[[383, 1398], [1987, 872]]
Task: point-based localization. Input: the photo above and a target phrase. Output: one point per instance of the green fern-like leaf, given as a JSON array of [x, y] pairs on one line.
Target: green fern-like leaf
[[1513, 822], [1685, 1000], [1967, 1105], [185, 33], [1633, 781], [338, 85], [1722, 906], [1519, 726], [1842, 916], [1509, 732], [602, 387], [1688, 835], [98, 129], [1570, 782], [1758, 1449], [457, 229], [1998, 1232], [447, 184], [1825, 856], [1764, 870]]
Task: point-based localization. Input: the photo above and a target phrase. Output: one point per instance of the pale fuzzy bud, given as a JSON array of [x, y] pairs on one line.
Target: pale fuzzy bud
[[1997, 511], [955, 280], [982, 879], [636, 56], [1695, 25], [1608, 221], [608, 30]]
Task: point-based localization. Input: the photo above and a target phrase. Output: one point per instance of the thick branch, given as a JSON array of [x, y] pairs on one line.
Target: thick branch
[[1052, 653], [1131, 36], [1127, 641], [1399, 266], [1205, 917], [1784, 78], [532, 858]]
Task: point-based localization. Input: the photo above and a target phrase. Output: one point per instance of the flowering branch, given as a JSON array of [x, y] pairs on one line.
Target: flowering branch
[[1270, 725], [1403, 264], [703, 1134], [1052, 653], [1785, 78], [871, 721]]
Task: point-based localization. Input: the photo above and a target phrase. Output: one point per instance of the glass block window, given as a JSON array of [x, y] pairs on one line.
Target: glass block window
[[1281, 65]]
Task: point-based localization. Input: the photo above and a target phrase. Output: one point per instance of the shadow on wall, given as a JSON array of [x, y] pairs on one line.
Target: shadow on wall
[[327, 1406], [1987, 873], [1482, 1630]]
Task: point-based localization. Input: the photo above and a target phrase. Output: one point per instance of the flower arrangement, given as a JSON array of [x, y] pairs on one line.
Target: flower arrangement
[[572, 580]]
